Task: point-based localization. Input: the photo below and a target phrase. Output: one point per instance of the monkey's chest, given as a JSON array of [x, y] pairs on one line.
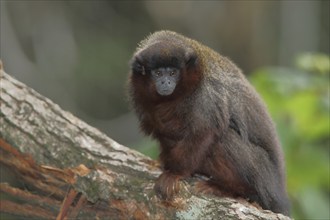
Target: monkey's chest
[[168, 123]]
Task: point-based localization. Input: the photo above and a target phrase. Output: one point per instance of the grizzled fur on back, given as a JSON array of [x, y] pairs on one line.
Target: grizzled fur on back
[[214, 124]]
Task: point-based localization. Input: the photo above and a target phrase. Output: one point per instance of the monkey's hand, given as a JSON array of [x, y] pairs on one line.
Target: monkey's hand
[[167, 185]]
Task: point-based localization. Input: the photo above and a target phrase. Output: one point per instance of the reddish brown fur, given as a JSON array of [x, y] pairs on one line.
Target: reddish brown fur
[[213, 124]]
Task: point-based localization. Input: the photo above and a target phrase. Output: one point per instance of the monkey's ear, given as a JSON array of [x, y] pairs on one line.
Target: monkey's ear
[[190, 58], [137, 66]]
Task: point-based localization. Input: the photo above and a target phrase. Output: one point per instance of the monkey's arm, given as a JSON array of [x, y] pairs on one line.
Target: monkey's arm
[[181, 160]]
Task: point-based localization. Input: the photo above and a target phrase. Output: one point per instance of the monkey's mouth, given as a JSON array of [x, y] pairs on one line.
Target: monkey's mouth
[[165, 89], [165, 92]]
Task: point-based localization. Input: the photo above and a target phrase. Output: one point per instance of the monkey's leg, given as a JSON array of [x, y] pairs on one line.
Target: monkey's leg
[[249, 171], [181, 161]]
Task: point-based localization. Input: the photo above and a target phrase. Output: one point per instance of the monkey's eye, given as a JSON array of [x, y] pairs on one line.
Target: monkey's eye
[[158, 73], [172, 73]]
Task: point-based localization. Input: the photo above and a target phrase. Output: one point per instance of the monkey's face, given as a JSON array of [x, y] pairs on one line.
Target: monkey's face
[[160, 71], [165, 79]]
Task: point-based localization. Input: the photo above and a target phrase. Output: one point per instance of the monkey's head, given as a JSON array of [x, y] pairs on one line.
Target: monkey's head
[[163, 69]]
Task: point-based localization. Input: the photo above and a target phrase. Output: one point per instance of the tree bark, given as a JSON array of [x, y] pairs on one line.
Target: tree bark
[[63, 168]]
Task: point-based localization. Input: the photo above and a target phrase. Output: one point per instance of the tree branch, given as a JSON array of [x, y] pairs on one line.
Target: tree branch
[[68, 169]]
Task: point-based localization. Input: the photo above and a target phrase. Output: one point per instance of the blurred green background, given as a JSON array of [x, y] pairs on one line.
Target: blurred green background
[[77, 53]]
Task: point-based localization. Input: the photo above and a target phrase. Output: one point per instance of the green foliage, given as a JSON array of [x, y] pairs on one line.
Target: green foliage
[[318, 63], [298, 100], [148, 147]]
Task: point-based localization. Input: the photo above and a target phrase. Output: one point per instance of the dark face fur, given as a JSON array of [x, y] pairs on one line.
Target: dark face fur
[[161, 68]]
